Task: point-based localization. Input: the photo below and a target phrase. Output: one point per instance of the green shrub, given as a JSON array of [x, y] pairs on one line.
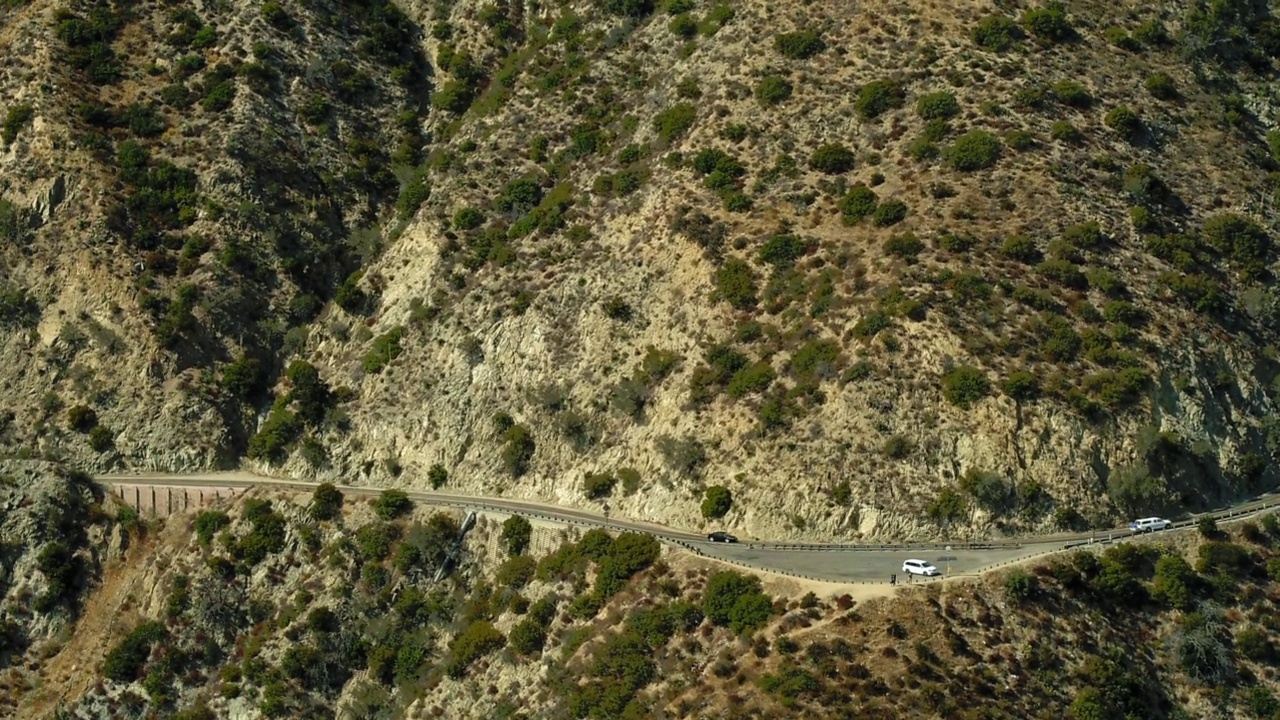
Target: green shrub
[[386, 347], [1123, 313], [1240, 239], [889, 212], [1219, 556], [799, 45], [906, 246], [735, 600], [956, 242], [965, 385], [597, 485], [783, 250], [1019, 140], [478, 639], [675, 121], [1063, 272], [1255, 644], [517, 450], [1021, 386], [1124, 121], [816, 358], [454, 96], [276, 16], [1120, 37], [937, 105], [947, 507], [1161, 86], [528, 637], [1087, 235], [996, 33], [101, 438], [629, 8], [975, 150], [15, 119], [629, 554], [515, 536], [897, 447], [832, 159], [1208, 527], [1174, 582], [326, 502], [1020, 585], [1048, 23], [1070, 92], [125, 661], [1261, 703], [772, 90], [414, 192], [374, 541], [736, 284], [392, 504], [754, 378], [208, 523], [922, 149], [859, 203], [716, 502], [1063, 131], [878, 97], [218, 96], [1021, 248], [82, 418], [683, 25]]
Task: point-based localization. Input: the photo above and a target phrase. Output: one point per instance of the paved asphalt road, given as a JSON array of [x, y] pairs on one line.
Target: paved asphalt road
[[836, 563]]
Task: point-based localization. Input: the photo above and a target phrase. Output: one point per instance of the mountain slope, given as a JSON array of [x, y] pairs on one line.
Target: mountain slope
[[887, 271]]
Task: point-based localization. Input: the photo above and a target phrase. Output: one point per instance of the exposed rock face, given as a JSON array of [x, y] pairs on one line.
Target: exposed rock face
[[44, 204]]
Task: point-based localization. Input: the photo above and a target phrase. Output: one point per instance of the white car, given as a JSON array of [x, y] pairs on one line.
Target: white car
[[919, 567], [1150, 524]]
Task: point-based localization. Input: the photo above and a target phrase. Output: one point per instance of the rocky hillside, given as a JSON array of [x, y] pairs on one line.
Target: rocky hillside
[[969, 270], [308, 606]]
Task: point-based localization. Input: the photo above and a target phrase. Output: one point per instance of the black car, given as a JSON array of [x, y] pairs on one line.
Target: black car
[[723, 537]]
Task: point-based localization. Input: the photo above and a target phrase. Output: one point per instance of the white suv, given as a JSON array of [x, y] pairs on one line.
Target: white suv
[[919, 567], [1150, 524]]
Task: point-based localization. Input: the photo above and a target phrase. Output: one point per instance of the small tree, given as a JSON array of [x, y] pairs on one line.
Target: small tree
[[799, 45], [965, 385], [82, 418], [832, 159], [326, 502], [208, 523], [1208, 527], [516, 533], [598, 485], [101, 439], [878, 97], [996, 33], [392, 504], [1124, 121], [974, 150], [437, 476], [1020, 585], [717, 502], [1049, 23]]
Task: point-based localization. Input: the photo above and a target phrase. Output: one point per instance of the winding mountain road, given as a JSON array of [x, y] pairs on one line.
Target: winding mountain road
[[841, 563]]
